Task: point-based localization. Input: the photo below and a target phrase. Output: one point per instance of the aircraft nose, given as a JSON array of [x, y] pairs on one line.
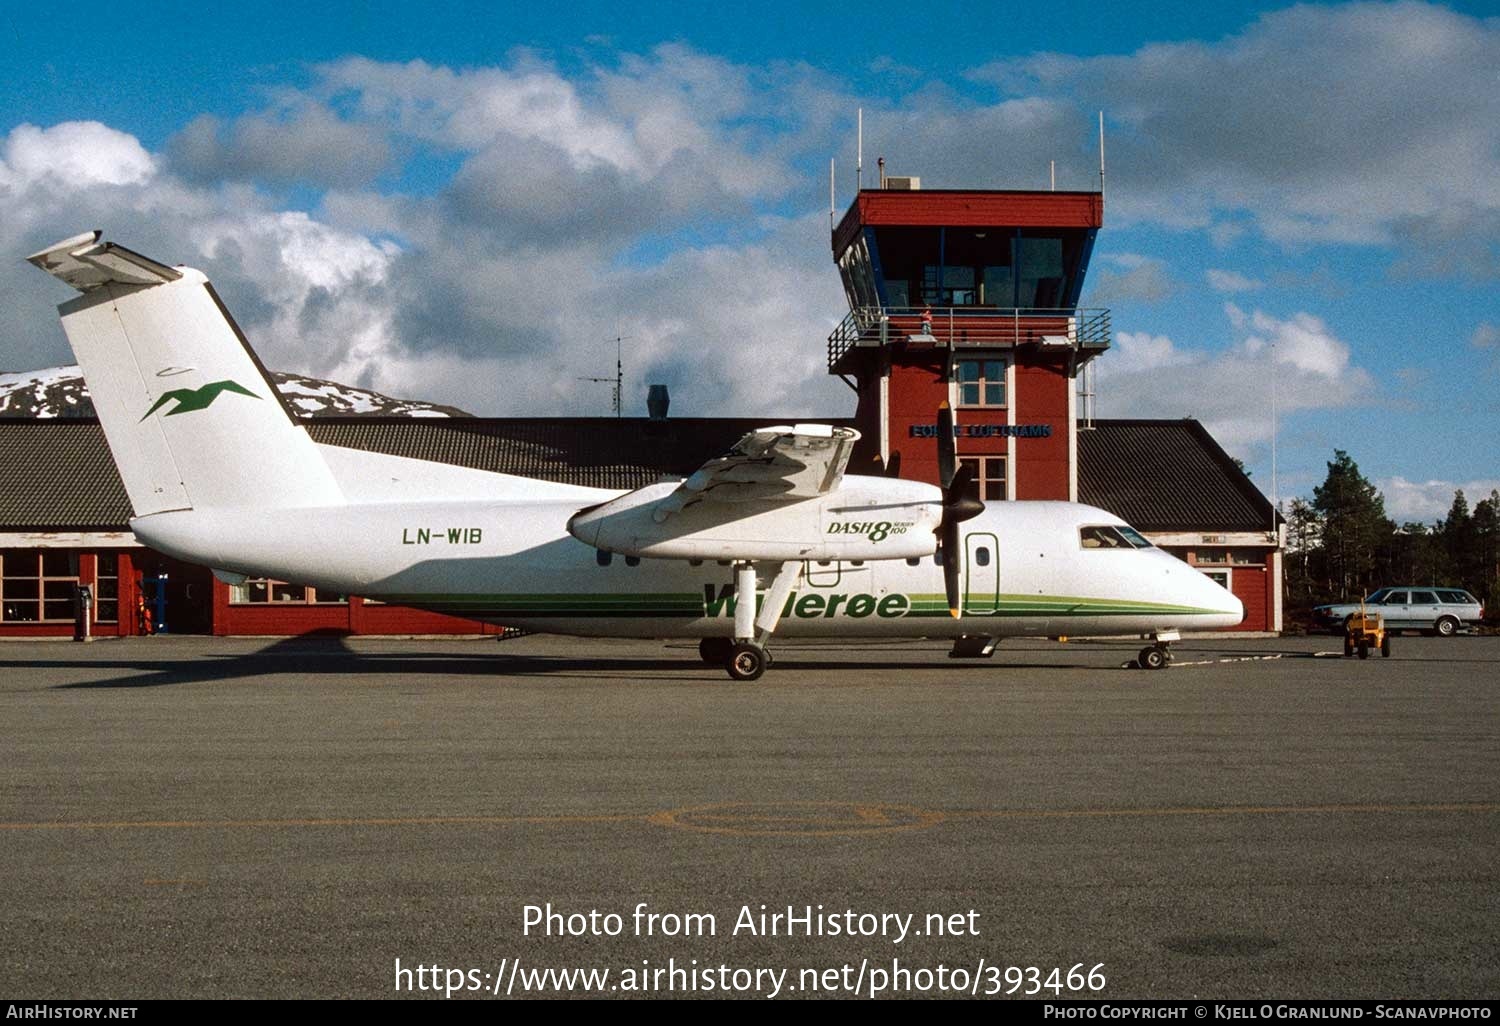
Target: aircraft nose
[[1224, 602]]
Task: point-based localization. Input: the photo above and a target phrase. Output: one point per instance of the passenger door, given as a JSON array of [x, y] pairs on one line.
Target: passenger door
[[981, 574], [1396, 608], [1423, 610]]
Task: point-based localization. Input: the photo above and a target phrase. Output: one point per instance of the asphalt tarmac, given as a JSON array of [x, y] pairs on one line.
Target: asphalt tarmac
[[186, 817]]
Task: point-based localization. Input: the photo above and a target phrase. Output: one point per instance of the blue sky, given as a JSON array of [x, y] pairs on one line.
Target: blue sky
[[463, 202]]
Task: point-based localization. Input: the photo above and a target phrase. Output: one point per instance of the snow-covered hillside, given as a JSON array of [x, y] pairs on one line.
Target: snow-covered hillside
[[60, 392]]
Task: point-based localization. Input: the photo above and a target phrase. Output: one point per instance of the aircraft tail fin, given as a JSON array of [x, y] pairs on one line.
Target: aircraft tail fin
[[191, 416]]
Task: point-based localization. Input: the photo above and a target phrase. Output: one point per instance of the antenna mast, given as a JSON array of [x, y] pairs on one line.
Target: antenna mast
[[1101, 154], [859, 150], [617, 393], [1275, 491], [619, 376]]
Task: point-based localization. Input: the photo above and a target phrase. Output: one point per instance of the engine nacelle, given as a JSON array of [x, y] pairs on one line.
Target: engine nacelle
[[866, 518]]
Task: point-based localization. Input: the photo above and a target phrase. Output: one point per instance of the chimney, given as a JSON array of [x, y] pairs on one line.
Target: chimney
[[657, 401]]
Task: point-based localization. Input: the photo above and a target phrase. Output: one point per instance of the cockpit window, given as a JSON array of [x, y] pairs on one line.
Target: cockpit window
[[1102, 536], [1133, 536]]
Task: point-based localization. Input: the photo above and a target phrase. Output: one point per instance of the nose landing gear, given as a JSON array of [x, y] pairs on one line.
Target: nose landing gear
[[1157, 655], [1154, 657]]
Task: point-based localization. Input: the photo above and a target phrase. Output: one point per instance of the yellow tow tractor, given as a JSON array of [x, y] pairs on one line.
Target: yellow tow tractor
[[1365, 630]]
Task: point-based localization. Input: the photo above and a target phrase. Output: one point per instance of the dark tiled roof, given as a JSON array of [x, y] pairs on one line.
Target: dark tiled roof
[[1167, 475], [1158, 475], [58, 475], [596, 452]]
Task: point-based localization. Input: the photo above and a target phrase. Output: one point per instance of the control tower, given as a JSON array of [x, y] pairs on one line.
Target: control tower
[[969, 297]]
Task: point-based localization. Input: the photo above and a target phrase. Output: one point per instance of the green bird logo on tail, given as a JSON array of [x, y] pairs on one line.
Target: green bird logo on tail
[[190, 399]]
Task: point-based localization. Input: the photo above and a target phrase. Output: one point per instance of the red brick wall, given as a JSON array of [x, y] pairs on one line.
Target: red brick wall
[[1041, 397], [355, 617]]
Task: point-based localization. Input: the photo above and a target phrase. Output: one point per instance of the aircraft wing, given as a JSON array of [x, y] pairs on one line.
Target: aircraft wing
[[779, 494], [773, 464]]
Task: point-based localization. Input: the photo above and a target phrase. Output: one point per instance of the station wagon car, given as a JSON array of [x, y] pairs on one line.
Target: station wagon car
[[1442, 611]]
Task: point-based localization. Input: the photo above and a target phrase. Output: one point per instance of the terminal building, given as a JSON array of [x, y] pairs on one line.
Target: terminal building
[[967, 297]]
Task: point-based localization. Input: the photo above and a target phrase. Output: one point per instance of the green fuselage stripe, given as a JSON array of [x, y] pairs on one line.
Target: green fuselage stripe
[[689, 605]]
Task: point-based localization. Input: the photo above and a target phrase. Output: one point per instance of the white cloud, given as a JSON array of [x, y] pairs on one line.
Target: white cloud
[[73, 154], [637, 119], [1296, 362], [1486, 336], [1230, 281], [566, 219], [498, 296], [1355, 122], [306, 142], [1426, 501], [1144, 351]]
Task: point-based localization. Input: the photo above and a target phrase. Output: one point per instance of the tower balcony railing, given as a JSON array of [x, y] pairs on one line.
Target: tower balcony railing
[[1078, 328]]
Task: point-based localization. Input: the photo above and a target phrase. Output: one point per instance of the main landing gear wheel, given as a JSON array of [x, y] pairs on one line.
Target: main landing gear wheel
[[715, 651], [1154, 657], [747, 661]]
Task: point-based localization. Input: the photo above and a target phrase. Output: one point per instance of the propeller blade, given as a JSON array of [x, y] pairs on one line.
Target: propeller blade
[[893, 465], [947, 447], [960, 502], [952, 563]]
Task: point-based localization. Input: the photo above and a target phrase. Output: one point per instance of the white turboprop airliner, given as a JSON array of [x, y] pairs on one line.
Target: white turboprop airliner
[[771, 535]]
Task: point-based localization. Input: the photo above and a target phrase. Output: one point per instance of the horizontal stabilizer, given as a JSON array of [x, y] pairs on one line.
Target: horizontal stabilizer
[[86, 263]]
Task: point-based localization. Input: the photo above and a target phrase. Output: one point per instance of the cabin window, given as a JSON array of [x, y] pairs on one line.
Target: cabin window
[[982, 555], [1102, 536]]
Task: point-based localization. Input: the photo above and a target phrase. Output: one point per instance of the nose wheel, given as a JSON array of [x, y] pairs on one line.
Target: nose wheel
[[1155, 657]]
